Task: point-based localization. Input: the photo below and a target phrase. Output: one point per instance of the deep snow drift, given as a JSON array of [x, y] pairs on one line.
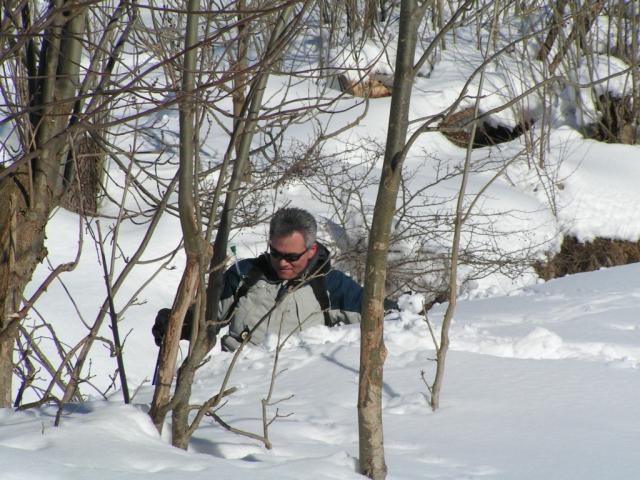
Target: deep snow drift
[[542, 383]]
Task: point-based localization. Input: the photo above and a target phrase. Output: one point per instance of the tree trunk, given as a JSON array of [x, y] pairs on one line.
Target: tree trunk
[[249, 114], [190, 230], [21, 249], [31, 191], [582, 23], [554, 30], [371, 16], [372, 348], [82, 195], [160, 404]]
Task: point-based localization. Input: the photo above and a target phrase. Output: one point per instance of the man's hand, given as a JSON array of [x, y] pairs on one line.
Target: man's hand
[[161, 323], [159, 328]]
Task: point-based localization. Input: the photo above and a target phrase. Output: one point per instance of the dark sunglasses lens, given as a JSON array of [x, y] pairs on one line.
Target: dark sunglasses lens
[[288, 257]]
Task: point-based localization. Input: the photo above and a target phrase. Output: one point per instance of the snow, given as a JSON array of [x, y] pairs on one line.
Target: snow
[[541, 383], [541, 379]]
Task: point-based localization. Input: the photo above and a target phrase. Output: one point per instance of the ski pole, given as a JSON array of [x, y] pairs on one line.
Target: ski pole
[[156, 370]]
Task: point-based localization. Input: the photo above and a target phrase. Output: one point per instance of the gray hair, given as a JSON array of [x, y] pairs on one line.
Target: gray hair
[[288, 220]]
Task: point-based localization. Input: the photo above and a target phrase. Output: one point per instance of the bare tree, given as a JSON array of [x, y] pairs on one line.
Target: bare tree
[[286, 21], [62, 72], [372, 349], [48, 58], [52, 98], [191, 232]]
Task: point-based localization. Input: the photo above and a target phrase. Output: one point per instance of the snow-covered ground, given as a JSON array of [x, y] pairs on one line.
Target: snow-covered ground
[[542, 383]]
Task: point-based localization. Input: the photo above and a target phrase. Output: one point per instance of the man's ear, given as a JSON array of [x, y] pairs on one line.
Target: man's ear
[[313, 249]]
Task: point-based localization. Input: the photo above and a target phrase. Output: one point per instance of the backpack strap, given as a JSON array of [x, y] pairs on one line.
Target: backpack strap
[[249, 280], [319, 287]]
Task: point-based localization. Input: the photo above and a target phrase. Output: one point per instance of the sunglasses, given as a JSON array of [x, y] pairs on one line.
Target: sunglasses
[[287, 257]]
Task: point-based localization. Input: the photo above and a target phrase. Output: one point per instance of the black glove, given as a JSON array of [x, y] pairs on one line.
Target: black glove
[[390, 305], [162, 321]]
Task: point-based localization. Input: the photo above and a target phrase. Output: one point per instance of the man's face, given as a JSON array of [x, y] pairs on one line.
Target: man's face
[[290, 256]]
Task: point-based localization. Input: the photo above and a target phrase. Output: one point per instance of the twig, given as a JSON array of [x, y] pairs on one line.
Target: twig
[[114, 320], [231, 429], [433, 335]]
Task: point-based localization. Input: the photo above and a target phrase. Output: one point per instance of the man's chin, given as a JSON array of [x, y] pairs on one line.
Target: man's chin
[[286, 274]]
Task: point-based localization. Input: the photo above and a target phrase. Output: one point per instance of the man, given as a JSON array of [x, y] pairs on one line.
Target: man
[[290, 287]]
